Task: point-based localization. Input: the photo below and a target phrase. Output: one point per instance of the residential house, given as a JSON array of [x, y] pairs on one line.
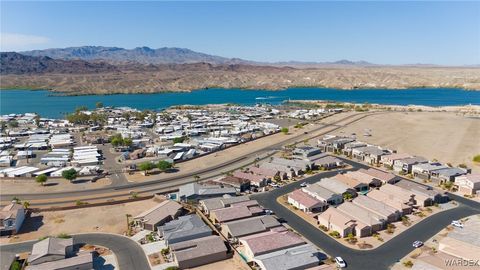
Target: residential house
[[425, 170], [423, 190], [468, 184], [158, 215], [297, 165], [255, 179], [385, 177], [284, 171], [195, 192], [389, 159], [306, 151], [299, 257], [199, 251], [11, 218], [389, 213], [447, 174], [348, 147], [358, 213], [236, 211], [334, 143], [370, 154], [324, 161], [323, 194], [463, 242], [248, 226], [238, 183], [274, 240], [364, 177], [437, 261], [183, 229], [352, 183], [336, 220], [406, 196], [269, 174], [208, 205], [391, 201], [405, 165], [55, 254], [306, 202], [338, 186]]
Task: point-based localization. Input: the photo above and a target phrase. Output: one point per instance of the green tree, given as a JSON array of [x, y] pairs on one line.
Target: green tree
[[41, 179], [127, 142], [476, 158], [26, 204], [16, 265], [164, 165], [347, 196], [179, 140], [37, 120], [284, 130], [145, 166], [70, 174], [99, 105], [13, 124]]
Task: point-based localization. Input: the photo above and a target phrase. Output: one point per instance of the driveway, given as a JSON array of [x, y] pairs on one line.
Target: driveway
[[380, 258], [129, 254]]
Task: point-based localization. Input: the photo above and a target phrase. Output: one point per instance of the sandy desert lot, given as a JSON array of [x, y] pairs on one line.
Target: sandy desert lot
[[447, 137], [111, 219]]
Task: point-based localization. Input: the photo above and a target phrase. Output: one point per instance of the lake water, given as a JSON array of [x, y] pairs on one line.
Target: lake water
[[47, 104]]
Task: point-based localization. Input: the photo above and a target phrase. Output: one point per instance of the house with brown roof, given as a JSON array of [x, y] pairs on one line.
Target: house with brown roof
[[305, 202], [11, 218], [236, 211], [267, 173], [352, 183], [405, 196], [336, 220], [389, 213], [238, 183], [200, 251], [376, 222], [276, 239], [391, 201], [256, 180], [363, 177], [158, 215], [385, 177], [428, 195], [211, 204]]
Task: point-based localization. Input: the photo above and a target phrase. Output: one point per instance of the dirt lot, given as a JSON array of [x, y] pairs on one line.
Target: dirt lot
[[447, 137], [230, 264], [110, 219]]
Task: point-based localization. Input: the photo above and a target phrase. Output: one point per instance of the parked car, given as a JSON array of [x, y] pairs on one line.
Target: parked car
[[268, 212], [457, 224], [303, 184], [417, 244], [340, 262]]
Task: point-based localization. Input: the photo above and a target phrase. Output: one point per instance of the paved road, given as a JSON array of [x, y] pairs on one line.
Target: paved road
[[111, 192], [379, 258], [129, 254]]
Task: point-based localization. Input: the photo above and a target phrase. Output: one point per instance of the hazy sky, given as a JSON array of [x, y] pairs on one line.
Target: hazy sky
[[378, 32]]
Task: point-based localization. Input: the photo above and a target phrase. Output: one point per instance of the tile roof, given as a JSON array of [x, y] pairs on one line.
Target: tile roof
[[304, 199], [272, 241]]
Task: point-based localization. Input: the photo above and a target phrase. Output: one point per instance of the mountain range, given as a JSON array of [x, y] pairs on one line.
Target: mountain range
[[110, 70], [146, 55]]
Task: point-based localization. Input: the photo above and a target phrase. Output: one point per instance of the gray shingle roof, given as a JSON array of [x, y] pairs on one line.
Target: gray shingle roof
[[292, 258]]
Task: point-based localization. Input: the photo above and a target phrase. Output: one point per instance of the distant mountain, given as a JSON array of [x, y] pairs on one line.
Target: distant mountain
[[15, 63], [143, 55], [146, 55]]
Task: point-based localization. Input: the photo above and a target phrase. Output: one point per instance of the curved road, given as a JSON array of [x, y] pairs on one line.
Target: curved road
[[385, 255], [111, 192], [128, 253]]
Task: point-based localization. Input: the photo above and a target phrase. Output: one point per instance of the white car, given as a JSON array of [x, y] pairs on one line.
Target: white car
[[417, 244], [457, 224], [303, 184], [268, 212], [340, 262]]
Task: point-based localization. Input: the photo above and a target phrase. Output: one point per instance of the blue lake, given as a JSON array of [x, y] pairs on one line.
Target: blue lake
[[47, 104]]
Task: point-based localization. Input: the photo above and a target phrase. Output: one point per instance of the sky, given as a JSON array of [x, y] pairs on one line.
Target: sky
[[446, 33]]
